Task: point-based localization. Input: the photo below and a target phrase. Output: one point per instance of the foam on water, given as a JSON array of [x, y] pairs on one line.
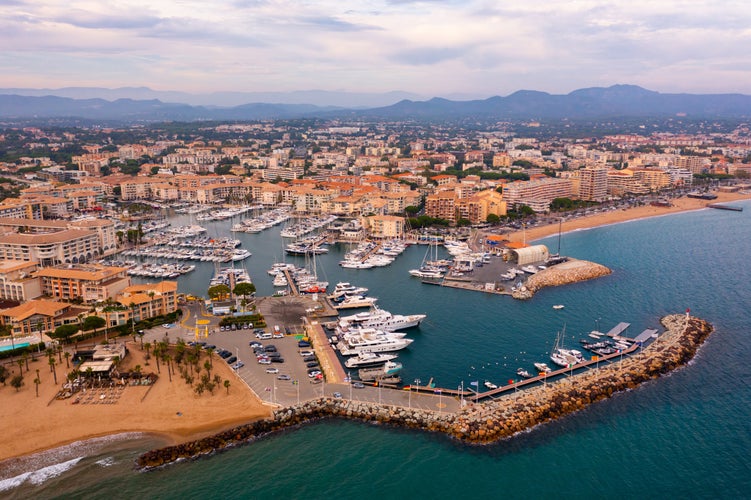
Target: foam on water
[[38, 477]]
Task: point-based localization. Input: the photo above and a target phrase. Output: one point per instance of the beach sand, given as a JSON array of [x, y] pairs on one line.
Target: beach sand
[[170, 409], [614, 216]]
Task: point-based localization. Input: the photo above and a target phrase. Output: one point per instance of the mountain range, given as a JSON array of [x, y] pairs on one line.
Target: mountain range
[[618, 101]]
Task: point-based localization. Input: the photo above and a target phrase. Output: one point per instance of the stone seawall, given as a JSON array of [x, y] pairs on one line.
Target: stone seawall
[[571, 271], [479, 423]]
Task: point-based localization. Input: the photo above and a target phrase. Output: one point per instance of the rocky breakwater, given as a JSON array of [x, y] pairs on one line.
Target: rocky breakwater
[[571, 271], [297, 415], [496, 420], [478, 423]]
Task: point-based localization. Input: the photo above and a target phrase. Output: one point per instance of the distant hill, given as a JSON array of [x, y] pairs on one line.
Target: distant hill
[[618, 101], [615, 101], [129, 110], [324, 98]]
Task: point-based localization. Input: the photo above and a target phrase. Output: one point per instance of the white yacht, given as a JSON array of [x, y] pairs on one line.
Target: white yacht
[[355, 302], [367, 358], [383, 320], [371, 342]]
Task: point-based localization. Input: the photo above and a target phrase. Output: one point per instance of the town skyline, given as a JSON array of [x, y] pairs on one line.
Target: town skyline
[[429, 48]]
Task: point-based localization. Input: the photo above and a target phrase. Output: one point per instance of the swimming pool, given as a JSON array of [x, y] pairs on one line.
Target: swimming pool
[[10, 347]]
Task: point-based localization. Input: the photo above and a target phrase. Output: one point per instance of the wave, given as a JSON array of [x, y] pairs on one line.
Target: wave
[[40, 467], [38, 477]]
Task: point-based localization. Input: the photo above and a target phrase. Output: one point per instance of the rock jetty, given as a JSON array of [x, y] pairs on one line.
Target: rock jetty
[[571, 271], [481, 423]]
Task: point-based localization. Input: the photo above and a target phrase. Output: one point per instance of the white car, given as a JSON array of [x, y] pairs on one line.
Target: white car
[[272, 370], [264, 361], [306, 353]]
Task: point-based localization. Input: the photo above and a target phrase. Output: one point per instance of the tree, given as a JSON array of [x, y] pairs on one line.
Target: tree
[[16, 382], [67, 357], [226, 386], [64, 332], [3, 374], [93, 322], [52, 365], [492, 219], [218, 291]]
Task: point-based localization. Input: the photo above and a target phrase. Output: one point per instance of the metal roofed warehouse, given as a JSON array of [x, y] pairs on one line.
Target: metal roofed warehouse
[[530, 254]]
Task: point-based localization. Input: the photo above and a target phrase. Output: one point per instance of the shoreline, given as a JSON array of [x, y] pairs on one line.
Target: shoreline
[[679, 205], [480, 423]]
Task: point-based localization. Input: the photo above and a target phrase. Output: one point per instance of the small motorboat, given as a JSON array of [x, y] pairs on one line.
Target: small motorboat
[[558, 306], [523, 373]]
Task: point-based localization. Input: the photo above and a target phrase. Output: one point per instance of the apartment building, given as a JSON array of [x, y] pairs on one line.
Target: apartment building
[[385, 226], [17, 282], [89, 282], [538, 193], [442, 205], [593, 184]]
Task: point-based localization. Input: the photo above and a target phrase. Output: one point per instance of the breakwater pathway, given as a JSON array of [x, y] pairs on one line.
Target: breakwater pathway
[[480, 423]]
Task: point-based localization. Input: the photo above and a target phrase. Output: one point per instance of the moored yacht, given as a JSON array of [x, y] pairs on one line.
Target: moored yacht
[[367, 358]]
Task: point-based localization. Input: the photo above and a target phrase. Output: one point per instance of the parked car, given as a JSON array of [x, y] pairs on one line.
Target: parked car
[[314, 373], [309, 358], [272, 370], [338, 395], [231, 360], [279, 335], [284, 377], [277, 360], [265, 336], [306, 353], [264, 361], [270, 348], [238, 365], [255, 343], [358, 385], [303, 343], [312, 364]]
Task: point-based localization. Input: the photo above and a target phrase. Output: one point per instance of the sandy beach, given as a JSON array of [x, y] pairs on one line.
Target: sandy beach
[[170, 409], [612, 217]]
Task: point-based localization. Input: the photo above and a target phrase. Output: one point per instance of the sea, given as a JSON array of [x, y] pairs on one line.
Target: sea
[[686, 435]]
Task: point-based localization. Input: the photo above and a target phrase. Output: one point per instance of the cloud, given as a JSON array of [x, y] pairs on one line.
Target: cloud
[[425, 46], [429, 55]]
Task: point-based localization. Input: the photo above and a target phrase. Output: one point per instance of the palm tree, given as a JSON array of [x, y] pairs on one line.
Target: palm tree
[[20, 366], [167, 358], [25, 357], [36, 383], [52, 365], [59, 349], [207, 366], [67, 356], [226, 385], [147, 345]]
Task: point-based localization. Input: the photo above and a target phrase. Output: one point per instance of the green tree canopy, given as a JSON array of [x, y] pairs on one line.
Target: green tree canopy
[[244, 289], [93, 322], [65, 331], [218, 291]]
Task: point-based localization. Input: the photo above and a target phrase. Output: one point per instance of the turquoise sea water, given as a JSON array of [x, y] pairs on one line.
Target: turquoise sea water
[[686, 435]]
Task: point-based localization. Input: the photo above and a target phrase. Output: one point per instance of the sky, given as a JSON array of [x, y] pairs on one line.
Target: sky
[[476, 48]]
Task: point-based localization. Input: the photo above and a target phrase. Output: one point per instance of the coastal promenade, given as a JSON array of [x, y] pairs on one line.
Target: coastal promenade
[[477, 423]]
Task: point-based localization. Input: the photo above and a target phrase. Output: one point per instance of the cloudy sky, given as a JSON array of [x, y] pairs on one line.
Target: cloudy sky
[[430, 47]]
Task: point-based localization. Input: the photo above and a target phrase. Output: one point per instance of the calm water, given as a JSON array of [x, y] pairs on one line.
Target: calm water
[[685, 435]]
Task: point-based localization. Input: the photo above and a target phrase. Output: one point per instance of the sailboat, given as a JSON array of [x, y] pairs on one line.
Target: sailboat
[[426, 270], [565, 357]]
